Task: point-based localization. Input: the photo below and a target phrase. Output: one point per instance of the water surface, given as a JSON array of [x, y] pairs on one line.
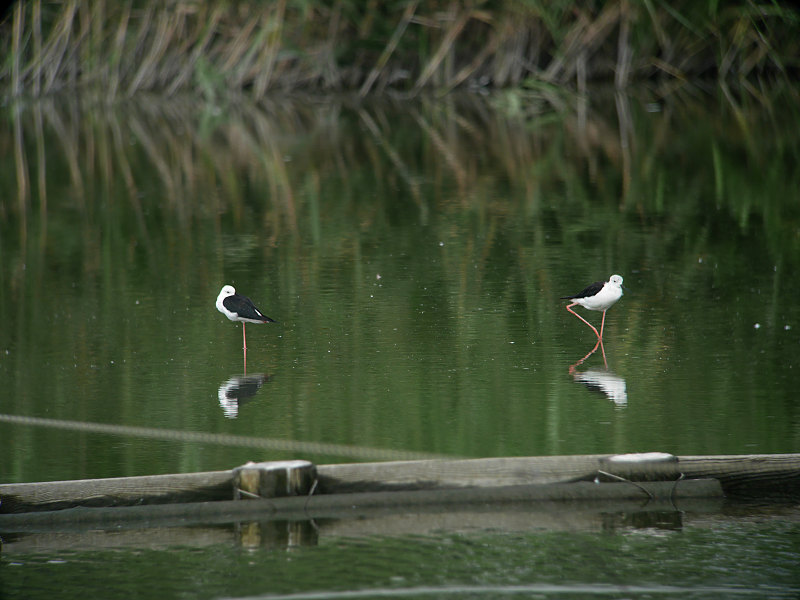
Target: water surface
[[413, 255]]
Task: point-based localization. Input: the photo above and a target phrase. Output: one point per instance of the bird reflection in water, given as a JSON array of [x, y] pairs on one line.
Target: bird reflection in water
[[605, 381], [239, 390]]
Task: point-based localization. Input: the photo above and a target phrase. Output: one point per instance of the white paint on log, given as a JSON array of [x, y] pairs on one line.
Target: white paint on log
[[642, 457]]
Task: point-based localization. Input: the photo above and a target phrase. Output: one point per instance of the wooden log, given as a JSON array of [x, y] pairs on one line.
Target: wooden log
[[746, 474], [116, 491], [764, 474], [440, 474], [273, 479]]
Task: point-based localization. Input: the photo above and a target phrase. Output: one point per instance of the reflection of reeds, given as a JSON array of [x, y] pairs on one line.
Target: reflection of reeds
[[216, 47], [451, 153]]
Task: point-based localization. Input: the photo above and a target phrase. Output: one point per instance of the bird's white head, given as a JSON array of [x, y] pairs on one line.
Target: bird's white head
[[227, 290], [614, 280]]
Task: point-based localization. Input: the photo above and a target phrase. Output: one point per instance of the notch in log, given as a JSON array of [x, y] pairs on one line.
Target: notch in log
[[273, 479]]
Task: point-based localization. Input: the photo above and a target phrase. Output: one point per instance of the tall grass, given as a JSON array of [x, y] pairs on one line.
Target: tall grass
[[212, 48]]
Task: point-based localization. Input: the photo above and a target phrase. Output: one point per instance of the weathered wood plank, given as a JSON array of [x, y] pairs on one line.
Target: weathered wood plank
[[737, 473], [439, 474], [116, 491]]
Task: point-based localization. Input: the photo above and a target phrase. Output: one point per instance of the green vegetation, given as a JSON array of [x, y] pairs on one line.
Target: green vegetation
[[214, 48]]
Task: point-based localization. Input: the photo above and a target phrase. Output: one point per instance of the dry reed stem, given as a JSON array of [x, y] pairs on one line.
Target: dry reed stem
[[584, 37], [148, 69], [624, 52], [54, 54], [398, 32], [331, 72], [138, 47], [37, 45], [16, 48], [235, 49], [185, 73], [473, 66], [445, 46], [271, 50], [84, 63], [118, 50]]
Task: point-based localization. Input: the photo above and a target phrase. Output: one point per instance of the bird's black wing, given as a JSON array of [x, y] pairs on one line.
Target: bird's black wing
[[244, 307], [590, 290]]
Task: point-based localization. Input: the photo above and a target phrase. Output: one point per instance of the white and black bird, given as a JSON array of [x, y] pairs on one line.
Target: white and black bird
[[601, 295], [239, 308]]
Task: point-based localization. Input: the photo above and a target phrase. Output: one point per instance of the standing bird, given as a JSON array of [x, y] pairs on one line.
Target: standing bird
[[239, 308], [601, 295]]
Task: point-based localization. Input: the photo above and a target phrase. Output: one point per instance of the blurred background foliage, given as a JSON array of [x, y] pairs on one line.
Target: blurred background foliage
[[215, 48]]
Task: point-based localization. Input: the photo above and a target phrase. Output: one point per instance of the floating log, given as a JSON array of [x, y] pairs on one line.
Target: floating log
[[746, 474]]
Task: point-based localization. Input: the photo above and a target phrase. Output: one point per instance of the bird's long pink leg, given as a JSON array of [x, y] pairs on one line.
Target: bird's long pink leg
[[569, 308], [602, 324], [244, 349]]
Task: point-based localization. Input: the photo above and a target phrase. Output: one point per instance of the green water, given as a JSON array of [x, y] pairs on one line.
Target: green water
[[738, 557], [413, 255]]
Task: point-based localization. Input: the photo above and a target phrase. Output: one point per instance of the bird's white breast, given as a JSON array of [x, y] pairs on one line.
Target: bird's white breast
[[604, 299]]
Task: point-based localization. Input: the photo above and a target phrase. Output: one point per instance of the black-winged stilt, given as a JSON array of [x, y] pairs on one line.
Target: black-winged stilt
[[239, 308], [601, 295]]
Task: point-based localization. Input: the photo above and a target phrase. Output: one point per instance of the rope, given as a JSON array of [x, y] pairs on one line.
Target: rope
[[174, 435]]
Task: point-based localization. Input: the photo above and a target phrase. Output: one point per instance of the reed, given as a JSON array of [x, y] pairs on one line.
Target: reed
[[257, 47]]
